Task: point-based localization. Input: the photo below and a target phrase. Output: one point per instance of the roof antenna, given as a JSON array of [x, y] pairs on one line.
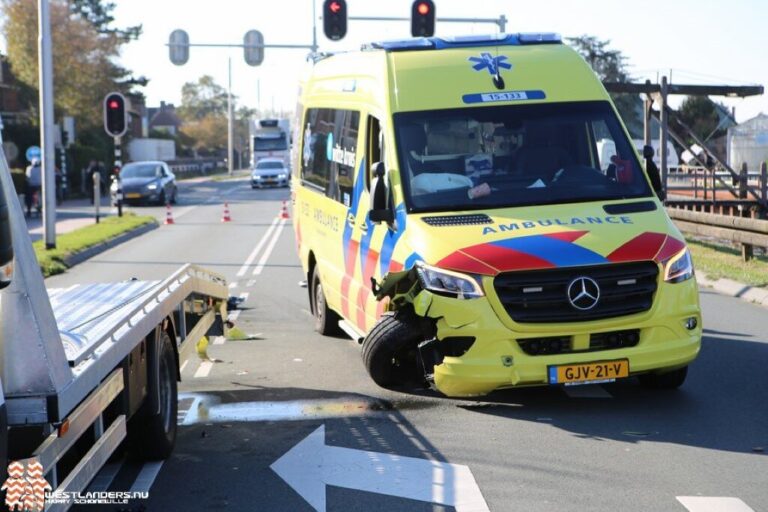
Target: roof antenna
[[497, 80]]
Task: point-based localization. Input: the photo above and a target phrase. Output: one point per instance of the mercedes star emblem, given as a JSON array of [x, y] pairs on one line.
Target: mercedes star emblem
[[583, 293]]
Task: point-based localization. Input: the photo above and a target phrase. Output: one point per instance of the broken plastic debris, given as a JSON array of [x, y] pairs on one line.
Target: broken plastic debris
[[636, 434]]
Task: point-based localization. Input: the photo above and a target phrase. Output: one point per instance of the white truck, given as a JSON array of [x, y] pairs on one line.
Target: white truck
[[270, 138], [86, 369]]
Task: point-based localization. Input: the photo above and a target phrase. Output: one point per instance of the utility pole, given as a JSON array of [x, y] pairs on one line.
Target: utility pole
[[230, 120], [45, 64]]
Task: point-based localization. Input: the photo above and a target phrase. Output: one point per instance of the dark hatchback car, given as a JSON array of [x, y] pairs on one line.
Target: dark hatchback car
[[146, 182]]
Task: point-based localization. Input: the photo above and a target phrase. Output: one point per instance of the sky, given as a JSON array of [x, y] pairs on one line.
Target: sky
[[694, 41]]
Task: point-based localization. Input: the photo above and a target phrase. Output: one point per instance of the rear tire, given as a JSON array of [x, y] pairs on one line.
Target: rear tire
[[326, 320], [152, 436], [390, 350], [668, 380]]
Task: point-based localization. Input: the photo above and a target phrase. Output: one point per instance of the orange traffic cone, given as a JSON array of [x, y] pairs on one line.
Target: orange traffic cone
[[226, 217], [284, 211], [168, 215]]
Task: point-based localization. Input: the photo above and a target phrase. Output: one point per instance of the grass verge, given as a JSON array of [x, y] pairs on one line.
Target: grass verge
[[52, 261], [719, 261]]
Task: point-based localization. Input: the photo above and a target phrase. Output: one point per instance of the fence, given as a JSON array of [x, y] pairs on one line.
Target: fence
[[709, 184], [746, 232]]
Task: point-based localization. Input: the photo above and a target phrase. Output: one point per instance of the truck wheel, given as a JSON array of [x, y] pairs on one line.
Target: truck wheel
[[326, 320], [152, 436], [668, 380], [390, 350]]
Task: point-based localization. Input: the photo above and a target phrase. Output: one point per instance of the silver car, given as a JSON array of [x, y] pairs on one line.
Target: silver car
[[270, 172]]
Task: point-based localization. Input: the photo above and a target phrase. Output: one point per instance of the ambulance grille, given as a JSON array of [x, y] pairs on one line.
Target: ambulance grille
[[541, 296], [457, 220]]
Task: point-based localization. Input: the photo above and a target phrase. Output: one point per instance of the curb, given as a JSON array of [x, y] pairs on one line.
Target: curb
[[79, 257], [745, 292]]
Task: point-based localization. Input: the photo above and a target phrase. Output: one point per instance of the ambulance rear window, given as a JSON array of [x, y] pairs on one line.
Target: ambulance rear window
[[505, 156]]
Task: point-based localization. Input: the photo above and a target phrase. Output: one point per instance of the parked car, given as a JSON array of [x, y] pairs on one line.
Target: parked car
[[151, 182], [270, 171]]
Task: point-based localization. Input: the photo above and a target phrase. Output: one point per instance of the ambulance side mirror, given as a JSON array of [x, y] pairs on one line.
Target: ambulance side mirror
[[379, 208], [6, 245], [653, 172]]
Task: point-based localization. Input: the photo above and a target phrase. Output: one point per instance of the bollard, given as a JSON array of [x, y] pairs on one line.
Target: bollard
[[97, 193]]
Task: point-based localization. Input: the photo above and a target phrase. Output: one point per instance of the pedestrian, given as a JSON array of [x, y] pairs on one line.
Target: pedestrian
[[34, 182], [92, 167]]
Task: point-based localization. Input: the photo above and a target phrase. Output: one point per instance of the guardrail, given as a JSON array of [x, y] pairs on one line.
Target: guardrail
[[747, 232]]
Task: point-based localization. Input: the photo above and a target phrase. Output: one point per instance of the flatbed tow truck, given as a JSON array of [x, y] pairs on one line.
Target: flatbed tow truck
[[91, 368]]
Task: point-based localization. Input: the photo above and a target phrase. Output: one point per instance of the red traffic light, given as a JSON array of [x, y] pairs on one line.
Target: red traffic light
[[423, 8], [114, 104], [335, 7], [423, 18]]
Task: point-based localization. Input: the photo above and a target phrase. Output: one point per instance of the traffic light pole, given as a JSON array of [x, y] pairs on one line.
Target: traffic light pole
[[118, 167], [46, 125], [230, 120]]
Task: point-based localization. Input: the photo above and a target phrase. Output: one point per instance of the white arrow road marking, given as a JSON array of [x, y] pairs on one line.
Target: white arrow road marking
[[311, 465], [256, 250], [713, 504], [268, 250]]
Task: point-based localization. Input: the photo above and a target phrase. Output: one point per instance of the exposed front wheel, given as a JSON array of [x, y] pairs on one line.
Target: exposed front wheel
[[390, 350], [326, 320], [667, 380]]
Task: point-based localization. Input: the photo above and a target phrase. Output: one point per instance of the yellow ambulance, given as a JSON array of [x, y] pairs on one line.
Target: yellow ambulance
[[472, 210]]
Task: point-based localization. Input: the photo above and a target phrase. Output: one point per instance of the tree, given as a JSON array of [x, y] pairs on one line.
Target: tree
[[701, 115], [83, 67], [611, 66], [201, 99], [209, 133], [99, 14]]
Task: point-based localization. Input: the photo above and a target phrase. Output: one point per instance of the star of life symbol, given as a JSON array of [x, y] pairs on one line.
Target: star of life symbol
[[491, 63], [25, 486]]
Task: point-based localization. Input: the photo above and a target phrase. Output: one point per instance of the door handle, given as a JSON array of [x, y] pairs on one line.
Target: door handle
[[363, 227], [351, 220]]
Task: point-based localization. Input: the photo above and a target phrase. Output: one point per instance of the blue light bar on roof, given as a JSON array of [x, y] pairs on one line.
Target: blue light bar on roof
[[440, 43], [539, 38]]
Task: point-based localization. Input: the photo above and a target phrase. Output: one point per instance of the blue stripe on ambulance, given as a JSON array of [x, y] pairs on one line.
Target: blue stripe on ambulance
[[391, 238], [560, 253]]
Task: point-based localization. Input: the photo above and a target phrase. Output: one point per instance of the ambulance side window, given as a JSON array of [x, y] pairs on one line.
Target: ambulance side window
[[345, 158], [328, 156]]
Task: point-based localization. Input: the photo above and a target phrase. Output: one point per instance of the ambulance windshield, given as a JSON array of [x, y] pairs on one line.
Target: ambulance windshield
[[506, 156]]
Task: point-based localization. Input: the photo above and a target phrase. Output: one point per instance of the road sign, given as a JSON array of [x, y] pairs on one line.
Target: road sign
[[115, 115], [253, 48], [311, 465], [178, 47], [33, 152]]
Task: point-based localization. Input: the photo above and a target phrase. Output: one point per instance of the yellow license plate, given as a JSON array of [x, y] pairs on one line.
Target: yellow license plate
[[133, 195], [604, 371]]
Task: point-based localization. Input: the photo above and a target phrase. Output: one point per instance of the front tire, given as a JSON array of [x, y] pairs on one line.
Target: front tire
[[152, 436], [326, 319], [667, 380], [390, 350]]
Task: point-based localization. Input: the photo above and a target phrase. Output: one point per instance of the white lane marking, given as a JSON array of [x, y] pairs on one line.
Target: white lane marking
[[182, 212], [587, 391], [269, 249], [311, 465], [255, 252], [204, 369], [244, 296], [147, 476], [183, 365], [103, 478], [232, 316], [219, 340], [233, 285], [713, 504], [250, 283]]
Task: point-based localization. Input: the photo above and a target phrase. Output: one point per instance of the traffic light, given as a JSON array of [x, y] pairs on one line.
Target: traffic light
[[115, 120], [335, 19], [423, 18]]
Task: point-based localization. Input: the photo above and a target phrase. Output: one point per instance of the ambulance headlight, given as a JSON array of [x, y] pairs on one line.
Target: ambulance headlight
[[679, 267], [449, 283]]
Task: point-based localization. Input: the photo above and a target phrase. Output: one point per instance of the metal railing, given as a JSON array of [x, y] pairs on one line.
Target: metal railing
[[698, 182]]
